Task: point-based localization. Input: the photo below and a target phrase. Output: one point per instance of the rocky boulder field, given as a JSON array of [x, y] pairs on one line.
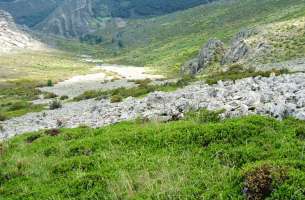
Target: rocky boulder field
[[276, 96]]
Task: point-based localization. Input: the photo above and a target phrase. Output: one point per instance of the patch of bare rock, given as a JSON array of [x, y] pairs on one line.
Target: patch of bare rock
[[278, 97]]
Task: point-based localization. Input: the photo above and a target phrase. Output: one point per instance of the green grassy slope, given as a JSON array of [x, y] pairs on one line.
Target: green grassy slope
[[170, 40], [190, 159]]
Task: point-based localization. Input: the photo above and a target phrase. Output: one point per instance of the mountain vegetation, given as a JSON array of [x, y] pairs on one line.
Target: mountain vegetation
[[194, 155], [197, 158]]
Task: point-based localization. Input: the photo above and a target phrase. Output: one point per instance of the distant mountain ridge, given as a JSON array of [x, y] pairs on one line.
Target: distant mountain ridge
[[12, 38], [71, 18]]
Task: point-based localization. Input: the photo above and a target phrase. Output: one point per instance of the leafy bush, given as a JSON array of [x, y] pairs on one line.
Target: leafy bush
[[19, 105], [116, 98], [204, 116], [2, 117], [52, 132], [260, 182], [49, 83], [50, 95], [32, 138], [236, 73], [55, 104], [64, 97]]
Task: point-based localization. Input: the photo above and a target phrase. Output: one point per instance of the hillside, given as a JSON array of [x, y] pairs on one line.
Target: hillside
[[12, 38], [198, 158], [29, 12], [170, 40], [152, 99], [74, 18]]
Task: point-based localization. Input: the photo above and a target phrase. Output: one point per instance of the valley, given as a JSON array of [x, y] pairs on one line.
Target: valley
[[129, 99]]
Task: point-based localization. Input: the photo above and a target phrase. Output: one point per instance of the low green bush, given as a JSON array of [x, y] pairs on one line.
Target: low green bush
[[64, 97], [55, 104], [49, 83], [116, 98], [2, 117]]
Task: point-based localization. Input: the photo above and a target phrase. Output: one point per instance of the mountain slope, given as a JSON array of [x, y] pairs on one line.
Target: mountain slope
[[12, 38], [170, 40], [74, 18], [29, 12]]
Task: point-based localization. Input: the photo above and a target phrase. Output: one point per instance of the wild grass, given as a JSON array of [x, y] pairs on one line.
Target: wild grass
[[22, 73], [144, 87], [188, 159], [240, 73]]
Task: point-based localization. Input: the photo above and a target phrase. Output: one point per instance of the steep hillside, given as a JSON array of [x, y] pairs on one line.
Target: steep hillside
[[29, 12], [170, 40], [12, 38], [74, 18]]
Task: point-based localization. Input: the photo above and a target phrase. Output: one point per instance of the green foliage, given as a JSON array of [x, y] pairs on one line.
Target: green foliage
[[55, 104], [2, 117], [236, 73], [49, 83], [204, 116], [168, 41], [116, 98], [91, 39], [144, 87], [252, 157], [64, 97]]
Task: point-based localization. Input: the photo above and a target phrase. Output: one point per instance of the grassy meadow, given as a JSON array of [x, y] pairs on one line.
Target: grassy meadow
[[200, 157]]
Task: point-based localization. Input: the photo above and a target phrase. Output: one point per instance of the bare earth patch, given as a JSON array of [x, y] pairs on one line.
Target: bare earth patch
[[114, 76]]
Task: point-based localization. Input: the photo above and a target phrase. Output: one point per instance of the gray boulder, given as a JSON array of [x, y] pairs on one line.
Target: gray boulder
[[213, 51], [191, 67], [237, 52]]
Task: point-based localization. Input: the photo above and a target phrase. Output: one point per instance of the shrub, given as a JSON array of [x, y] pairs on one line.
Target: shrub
[[2, 148], [32, 138], [204, 116], [18, 105], [55, 104], [49, 83], [143, 83], [50, 95], [2, 117], [261, 182], [258, 183], [116, 98], [64, 97], [300, 132], [52, 132]]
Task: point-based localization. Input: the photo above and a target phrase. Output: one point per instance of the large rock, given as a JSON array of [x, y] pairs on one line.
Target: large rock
[[191, 67], [237, 52], [213, 51]]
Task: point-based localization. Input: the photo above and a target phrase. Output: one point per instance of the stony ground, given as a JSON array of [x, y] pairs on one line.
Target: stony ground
[[114, 76], [279, 97]]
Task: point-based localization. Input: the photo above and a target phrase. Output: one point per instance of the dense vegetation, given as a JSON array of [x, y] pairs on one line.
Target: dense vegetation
[[197, 158]]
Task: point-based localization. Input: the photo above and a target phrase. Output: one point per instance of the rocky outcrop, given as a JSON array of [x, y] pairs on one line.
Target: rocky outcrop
[[212, 52], [13, 38], [239, 51], [191, 67], [278, 97], [72, 19]]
